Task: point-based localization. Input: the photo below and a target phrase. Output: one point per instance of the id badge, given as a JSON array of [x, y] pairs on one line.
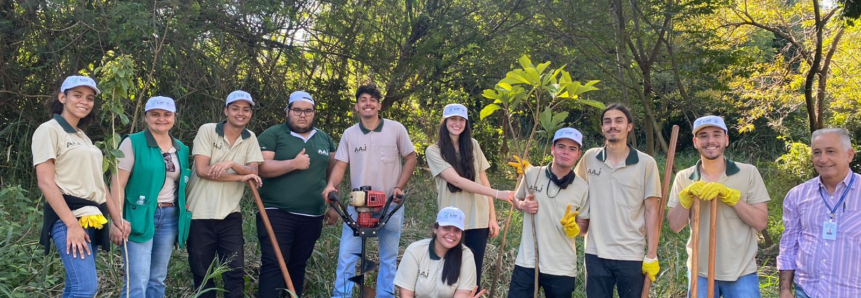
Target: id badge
[[829, 230]]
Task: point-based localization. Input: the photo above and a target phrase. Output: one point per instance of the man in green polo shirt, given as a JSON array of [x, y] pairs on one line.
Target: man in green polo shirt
[[297, 159], [373, 148], [226, 156], [624, 192], [742, 211]]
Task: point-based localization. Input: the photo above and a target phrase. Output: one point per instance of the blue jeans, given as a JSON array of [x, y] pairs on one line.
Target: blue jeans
[[351, 247], [746, 286], [81, 279], [148, 260], [799, 292]]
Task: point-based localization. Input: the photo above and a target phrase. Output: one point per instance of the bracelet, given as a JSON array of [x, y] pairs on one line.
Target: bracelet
[[497, 194]]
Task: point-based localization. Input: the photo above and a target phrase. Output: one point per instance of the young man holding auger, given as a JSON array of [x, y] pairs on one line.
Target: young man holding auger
[[741, 212], [559, 201], [624, 191]]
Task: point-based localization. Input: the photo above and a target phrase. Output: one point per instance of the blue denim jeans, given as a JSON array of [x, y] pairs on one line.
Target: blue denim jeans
[[746, 286], [799, 292], [351, 247], [81, 279], [148, 260]]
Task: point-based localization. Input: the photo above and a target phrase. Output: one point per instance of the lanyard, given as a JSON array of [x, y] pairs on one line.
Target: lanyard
[[842, 197]]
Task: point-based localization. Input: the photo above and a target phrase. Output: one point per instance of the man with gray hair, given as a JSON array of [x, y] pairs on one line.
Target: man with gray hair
[[819, 251]]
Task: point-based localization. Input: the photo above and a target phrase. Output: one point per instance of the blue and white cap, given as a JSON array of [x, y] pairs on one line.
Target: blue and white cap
[[300, 96], [239, 95], [160, 102], [450, 216], [454, 109], [707, 121], [76, 81], [569, 133]]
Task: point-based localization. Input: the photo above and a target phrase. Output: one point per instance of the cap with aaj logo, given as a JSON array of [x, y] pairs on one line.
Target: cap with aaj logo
[[160, 103], [709, 121], [450, 216], [237, 96], [76, 81], [569, 133], [454, 109]]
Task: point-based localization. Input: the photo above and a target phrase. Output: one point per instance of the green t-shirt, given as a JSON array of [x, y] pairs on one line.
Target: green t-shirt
[[298, 191]]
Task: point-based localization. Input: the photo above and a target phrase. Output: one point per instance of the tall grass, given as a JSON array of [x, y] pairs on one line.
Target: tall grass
[[27, 271]]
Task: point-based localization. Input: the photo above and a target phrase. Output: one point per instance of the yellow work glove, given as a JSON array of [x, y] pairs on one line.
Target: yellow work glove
[[569, 223], [727, 195], [95, 221], [519, 165], [651, 268], [710, 191], [687, 196]]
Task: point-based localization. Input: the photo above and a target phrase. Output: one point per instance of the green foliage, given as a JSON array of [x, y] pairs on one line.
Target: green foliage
[[797, 162]]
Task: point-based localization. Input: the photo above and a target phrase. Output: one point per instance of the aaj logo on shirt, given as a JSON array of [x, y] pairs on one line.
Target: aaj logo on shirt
[[322, 152], [594, 172], [424, 274], [360, 149], [72, 143]]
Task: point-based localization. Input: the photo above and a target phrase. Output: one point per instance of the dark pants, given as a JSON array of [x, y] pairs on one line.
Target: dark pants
[[603, 274], [296, 236], [476, 240], [555, 286], [208, 237]]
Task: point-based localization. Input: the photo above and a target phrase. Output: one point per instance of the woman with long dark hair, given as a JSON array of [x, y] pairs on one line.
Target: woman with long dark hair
[[439, 267], [69, 171], [458, 166], [151, 187]]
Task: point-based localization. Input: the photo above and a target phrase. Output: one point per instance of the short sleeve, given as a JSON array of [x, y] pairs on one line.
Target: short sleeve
[[483, 164], [254, 154], [267, 140], [435, 161], [580, 169], [202, 143], [405, 145], [127, 162], [341, 154], [44, 145], [331, 144], [407, 274], [652, 180], [756, 192], [467, 279], [675, 190]]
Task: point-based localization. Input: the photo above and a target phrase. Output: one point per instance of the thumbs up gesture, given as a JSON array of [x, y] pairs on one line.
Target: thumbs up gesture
[[302, 161]]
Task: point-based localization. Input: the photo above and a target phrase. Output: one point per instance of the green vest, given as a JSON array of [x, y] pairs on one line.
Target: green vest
[[145, 182]]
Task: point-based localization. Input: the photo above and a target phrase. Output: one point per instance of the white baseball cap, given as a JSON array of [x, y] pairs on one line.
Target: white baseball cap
[[160, 102], [300, 96], [569, 133], [450, 216], [707, 121], [76, 81], [454, 109], [239, 95]]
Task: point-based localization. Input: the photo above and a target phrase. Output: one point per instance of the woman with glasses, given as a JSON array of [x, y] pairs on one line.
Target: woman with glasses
[[151, 186], [458, 166], [69, 171]]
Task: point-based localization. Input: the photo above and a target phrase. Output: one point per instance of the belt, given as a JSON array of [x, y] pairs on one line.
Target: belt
[[164, 205]]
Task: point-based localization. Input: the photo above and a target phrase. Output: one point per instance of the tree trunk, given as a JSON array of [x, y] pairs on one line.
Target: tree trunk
[[814, 113]]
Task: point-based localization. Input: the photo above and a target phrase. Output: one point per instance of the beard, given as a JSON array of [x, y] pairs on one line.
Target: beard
[[295, 128]]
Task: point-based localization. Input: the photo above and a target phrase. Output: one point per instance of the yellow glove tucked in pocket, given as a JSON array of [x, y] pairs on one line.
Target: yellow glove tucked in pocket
[[96, 221], [651, 268], [519, 165], [569, 223]]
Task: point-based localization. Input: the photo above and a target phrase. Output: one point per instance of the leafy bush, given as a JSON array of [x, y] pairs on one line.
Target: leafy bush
[[797, 161]]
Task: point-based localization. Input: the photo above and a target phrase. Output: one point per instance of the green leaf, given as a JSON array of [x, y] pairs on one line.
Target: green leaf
[[525, 62], [592, 103], [117, 153], [490, 94], [124, 119], [504, 86], [541, 67], [488, 110]]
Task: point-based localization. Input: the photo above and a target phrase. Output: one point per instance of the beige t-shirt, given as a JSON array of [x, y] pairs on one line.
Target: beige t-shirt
[[209, 199], [476, 207], [127, 163], [375, 155], [77, 162], [735, 254], [617, 197], [557, 251], [420, 271]]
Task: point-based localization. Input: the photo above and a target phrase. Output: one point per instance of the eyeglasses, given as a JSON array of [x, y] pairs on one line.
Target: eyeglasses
[[300, 112], [168, 163]]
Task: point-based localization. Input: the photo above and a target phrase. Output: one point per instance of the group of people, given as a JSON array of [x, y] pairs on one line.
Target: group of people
[[164, 194]]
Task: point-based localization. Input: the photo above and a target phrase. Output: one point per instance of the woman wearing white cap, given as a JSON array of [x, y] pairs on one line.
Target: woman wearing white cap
[[458, 166], [440, 266], [69, 171], [151, 186]]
